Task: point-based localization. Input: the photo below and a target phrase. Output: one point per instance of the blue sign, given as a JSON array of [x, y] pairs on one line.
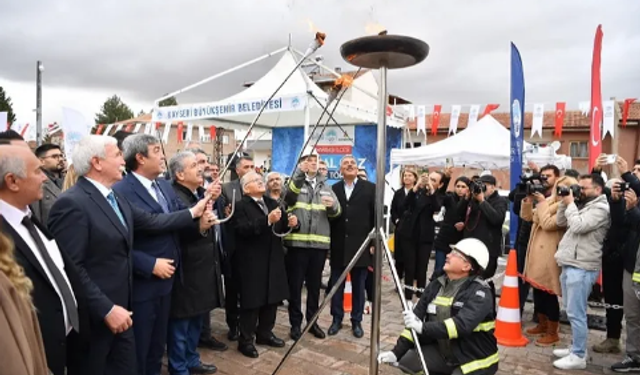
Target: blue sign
[[517, 130]]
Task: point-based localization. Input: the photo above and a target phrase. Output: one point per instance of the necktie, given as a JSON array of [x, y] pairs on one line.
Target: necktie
[[263, 206], [161, 199], [111, 198], [63, 286]]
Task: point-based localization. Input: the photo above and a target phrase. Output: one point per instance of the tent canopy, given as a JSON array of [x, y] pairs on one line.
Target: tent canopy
[[485, 145], [286, 109]]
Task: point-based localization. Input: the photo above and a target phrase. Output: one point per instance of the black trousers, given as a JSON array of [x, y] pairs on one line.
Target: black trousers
[[416, 259], [110, 354], [230, 305], [304, 267], [523, 286], [150, 325], [258, 321], [612, 271], [488, 273], [547, 304], [398, 256]]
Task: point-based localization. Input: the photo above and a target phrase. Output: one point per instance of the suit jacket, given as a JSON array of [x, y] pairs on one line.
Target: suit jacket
[[47, 301], [228, 233], [147, 247], [259, 258], [88, 229], [351, 228], [21, 343], [41, 208]]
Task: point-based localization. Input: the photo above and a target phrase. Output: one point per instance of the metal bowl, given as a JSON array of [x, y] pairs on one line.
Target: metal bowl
[[391, 51]]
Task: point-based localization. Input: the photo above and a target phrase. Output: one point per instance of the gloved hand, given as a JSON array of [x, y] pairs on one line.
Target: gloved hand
[[387, 357], [411, 321], [636, 289]]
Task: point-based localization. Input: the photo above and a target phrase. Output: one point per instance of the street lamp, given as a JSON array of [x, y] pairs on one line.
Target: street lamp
[[39, 70]]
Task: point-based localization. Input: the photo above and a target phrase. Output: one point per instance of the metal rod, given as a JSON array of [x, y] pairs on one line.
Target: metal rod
[[377, 266], [327, 299], [310, 51], [39, 69], [403, 301], [231, 70]]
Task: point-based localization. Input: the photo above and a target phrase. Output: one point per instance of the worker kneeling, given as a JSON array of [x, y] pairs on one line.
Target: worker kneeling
[[454, 320]]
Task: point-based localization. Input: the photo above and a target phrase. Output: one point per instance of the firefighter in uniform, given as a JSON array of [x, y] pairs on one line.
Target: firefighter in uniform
[[454, 320], [313, 202]]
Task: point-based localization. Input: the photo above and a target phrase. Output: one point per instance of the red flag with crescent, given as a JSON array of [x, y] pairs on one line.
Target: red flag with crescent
[[625, 110], [559, 120], [212, 132], [129, 128], [595, 113], [489, 108], [180, 131], [435, 118], [158, 124], [99, 130]]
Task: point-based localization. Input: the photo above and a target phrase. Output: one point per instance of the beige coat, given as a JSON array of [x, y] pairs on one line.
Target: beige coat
[[20, 339], [541, 269]]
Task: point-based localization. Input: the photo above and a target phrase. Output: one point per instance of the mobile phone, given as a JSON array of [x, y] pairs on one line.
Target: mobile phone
[[448, 162], [611, 159]]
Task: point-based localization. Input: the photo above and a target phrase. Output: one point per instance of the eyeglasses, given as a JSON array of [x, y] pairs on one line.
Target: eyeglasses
[[56, 156], [458, 254]]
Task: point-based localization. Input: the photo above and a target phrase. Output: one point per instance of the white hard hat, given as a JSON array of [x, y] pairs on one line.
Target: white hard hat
[[309, 151], [473, 248]]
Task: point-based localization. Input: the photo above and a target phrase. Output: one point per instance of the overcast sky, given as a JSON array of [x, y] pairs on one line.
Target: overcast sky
[[141, 49]]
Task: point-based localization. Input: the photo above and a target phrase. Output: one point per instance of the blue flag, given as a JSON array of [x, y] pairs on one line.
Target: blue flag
[[517, 130]]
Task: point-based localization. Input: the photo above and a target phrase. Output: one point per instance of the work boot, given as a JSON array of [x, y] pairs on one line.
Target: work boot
[[608, 346], [541, 327], [551, 336]]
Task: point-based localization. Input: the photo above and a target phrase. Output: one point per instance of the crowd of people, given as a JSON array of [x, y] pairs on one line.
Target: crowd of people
[[116, 260]]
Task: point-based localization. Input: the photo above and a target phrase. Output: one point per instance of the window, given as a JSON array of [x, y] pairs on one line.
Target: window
[[206, 138], [415, 144], [225, 139], [579, 149]]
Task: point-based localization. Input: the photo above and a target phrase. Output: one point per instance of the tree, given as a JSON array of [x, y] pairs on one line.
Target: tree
[[168, 102], [113, 110], [6, 106], [141, 113]]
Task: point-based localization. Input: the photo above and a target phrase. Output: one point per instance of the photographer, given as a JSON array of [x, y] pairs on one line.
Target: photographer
[[580, 256], [484, 214], [420, 205], [540, 268]]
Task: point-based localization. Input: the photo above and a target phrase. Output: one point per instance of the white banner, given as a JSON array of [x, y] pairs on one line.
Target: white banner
[[608, 117], [167, 130], [473, 115], [4, 120], [585, 107], [137, 128], [75, 127], [189, 136], [221, 109], [538, 119], [412, 111], [148, 128], [455, 115], [201, 134], [119, 127], [108, 129], [421, 122]]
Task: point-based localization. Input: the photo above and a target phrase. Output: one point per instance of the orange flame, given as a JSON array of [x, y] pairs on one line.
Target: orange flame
[[343, 82], [374, 28], [312, 27]]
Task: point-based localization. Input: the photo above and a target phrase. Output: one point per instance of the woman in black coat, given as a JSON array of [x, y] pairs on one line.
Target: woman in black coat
[[409, 178]]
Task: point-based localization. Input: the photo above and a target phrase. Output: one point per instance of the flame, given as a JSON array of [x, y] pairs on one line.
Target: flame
[[312, 27], [343, 82], [374, 28]]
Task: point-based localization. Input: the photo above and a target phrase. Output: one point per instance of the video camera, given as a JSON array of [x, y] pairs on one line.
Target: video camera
[[477, 187], [535, 183], [563, 191]]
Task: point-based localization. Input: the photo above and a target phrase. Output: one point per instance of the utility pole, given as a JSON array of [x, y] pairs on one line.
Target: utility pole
[[39, 69]]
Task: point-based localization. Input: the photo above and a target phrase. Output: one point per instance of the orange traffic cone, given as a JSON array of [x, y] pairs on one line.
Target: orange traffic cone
[[508, 325], [348, 296]]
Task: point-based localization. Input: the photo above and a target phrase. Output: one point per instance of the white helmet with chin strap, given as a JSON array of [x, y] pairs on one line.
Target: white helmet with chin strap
[[473, 248], [309, 151]]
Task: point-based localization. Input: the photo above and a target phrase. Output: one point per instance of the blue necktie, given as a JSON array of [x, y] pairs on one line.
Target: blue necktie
[[161, 199], [111, 198]]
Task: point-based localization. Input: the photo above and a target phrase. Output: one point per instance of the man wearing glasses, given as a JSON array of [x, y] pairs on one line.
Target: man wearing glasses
[[53, 164]]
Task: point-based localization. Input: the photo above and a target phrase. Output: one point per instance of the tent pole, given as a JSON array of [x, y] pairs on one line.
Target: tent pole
[[216, 76]]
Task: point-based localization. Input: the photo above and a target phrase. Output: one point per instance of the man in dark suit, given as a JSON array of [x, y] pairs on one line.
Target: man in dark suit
[[259, 264], [357, 198], [155, 256], [53, 164], [57, 293], [243, 165], [95, 227]]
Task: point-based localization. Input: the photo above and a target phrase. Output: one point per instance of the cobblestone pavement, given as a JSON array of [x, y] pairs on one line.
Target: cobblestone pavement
[[344, 354]]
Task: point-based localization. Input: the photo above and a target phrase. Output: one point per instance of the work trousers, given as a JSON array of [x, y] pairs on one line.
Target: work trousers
[[436, 364], [304, 267], [632, 316]]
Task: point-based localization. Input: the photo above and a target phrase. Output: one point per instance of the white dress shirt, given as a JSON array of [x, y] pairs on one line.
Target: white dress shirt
[[14, 217], [101, 188], [148, 184], [348, 188]]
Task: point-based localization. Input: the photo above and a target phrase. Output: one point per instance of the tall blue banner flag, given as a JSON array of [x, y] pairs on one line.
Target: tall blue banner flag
[[517, 131]]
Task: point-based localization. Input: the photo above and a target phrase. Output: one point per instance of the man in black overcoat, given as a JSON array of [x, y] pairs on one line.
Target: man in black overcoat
[[258, 262]]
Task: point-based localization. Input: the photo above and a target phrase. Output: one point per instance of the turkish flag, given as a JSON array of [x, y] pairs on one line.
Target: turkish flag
[[129, 128], [212, 132], [560, 107], [389, 110], [180, 131], [625, 111], [595, 145], [435, 118], [489, 108], [158, 124], [24, 130], [99, 130]]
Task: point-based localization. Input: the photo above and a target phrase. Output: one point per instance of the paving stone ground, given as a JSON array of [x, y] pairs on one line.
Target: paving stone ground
[[343, 354]]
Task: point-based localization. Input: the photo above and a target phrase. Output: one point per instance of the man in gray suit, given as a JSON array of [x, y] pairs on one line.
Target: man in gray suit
[[53, 162]]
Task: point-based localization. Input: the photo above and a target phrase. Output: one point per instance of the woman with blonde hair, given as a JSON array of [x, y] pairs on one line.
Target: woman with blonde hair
[[20, 339], [70, 178], [541, 269]]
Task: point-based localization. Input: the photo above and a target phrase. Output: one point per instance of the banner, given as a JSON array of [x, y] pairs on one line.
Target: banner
[[4, 122], [608, 118], [538, 119], [453, 121], [421, 120], [473, 115], [595, 146], [517, 130], [202, 111], [75, 127]]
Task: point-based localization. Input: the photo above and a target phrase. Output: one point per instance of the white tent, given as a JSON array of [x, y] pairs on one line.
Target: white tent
[[485, 145], [293, 105]]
